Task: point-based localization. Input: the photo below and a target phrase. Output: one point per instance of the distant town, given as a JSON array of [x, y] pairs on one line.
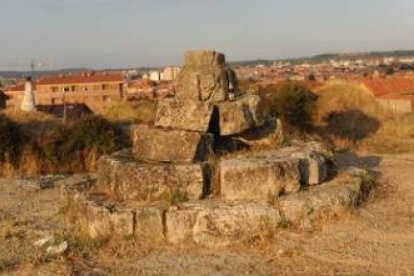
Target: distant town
[[389, 76]]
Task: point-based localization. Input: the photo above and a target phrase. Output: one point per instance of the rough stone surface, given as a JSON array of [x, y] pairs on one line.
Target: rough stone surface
[[339, 195], [220, 224], [258, 180], [205, 77], [131, 180], [100, 221], [183, 115], [156, 144], [240, 115], [203, 58], [314, 165]]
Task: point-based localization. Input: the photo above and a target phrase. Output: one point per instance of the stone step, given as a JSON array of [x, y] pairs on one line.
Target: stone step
[[127, 179], [213, 223], [259, 180], [343, 193], [165, 145], [220, 223], [314, 165], [100, 220]]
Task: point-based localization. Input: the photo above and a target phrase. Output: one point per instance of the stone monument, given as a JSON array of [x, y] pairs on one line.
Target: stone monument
[[173, 187], [28, 103]]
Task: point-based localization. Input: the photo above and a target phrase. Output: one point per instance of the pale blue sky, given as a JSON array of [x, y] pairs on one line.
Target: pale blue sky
[[123, 33]]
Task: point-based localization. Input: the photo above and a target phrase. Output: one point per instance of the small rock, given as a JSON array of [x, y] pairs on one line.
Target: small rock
[[44, 241], [284, 253], [53, 251]]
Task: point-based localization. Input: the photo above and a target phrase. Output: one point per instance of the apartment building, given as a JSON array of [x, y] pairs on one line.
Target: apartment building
[[90, 88]]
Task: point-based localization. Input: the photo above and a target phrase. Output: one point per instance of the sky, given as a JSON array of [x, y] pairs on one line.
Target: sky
[[132, 33]]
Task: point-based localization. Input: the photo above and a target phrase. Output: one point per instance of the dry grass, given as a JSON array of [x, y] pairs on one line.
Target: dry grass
[[339, 96], [352, 119], [40, 144], [135, 112]]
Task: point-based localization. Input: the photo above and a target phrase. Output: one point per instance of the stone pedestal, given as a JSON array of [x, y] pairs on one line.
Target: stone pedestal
[[163, 188]]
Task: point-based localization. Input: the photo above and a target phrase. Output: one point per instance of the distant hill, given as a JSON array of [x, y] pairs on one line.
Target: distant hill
[[311, 60], [328, 56], [23, 74]]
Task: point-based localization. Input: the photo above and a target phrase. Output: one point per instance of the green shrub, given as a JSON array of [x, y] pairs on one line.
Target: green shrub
[[291, 101]]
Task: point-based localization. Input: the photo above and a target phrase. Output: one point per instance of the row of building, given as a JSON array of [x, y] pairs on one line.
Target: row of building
[[94, 89]]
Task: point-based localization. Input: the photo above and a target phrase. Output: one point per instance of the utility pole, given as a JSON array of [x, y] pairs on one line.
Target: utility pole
[[64, 107], [32, 67]]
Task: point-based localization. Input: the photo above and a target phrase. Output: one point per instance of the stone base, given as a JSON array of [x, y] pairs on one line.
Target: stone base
[[240, 115], [100, 221], [220, 224], [164, 145], [215, 223], [127, 179]]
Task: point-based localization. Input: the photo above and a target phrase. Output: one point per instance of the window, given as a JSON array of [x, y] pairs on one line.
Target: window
[[105, 87]]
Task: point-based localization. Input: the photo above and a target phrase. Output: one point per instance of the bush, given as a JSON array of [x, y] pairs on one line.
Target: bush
[[71, 145], [291, 101], [11, 140], [60, 149], [91, 133]]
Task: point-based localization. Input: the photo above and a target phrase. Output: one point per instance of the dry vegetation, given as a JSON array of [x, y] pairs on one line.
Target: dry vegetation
[[343, 114], [135, 112], [37, 143], [354, 120], [41, 144]]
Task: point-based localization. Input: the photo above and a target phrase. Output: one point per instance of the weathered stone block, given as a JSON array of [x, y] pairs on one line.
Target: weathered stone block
[[205, 77], [206, 84], [314, 165], [240, 115], [131, 180], [149, 223], [258, 180], [218, 224], [248, 180], [99, 222], [183, 115], [156, 144], [203, 58], [339, 195], [106, 219]]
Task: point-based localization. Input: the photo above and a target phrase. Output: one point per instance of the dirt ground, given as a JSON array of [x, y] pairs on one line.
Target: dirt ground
[[377, 239]]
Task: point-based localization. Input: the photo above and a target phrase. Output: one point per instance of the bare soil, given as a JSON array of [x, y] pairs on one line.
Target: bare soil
[[376, 239]]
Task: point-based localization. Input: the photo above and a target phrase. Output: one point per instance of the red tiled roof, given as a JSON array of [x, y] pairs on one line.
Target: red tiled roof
[[14, 88], [390, 87], [87, 77]]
